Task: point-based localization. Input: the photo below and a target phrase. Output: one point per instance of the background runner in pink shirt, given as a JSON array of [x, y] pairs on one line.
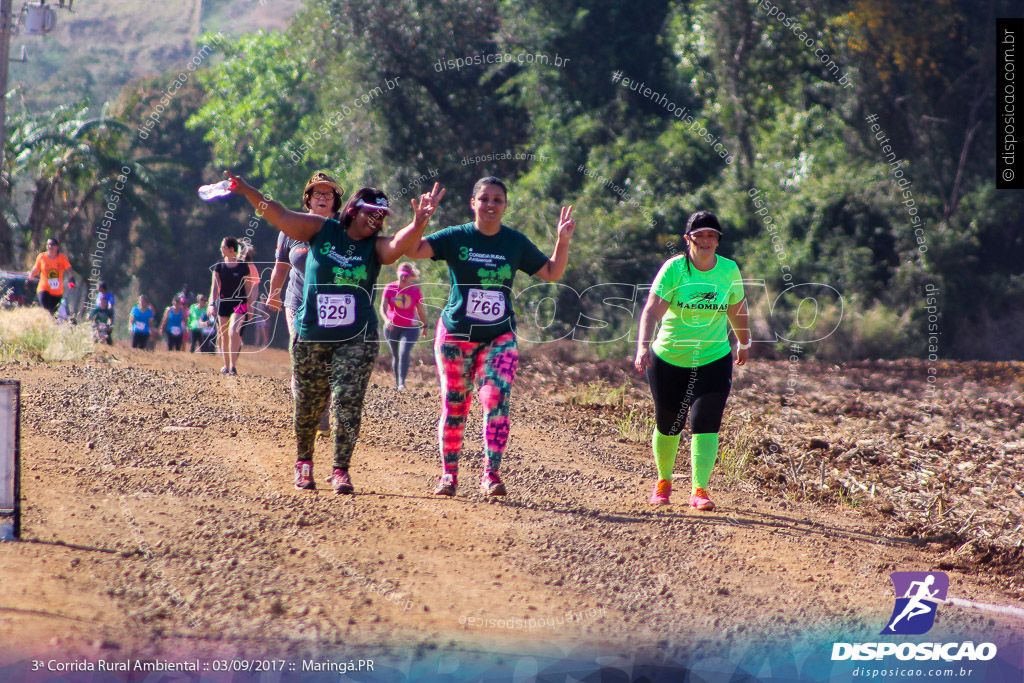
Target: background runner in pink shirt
[[404, 317]]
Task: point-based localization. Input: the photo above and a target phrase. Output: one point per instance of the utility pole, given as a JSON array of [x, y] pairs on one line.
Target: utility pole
[[5, 47], [6, 19]]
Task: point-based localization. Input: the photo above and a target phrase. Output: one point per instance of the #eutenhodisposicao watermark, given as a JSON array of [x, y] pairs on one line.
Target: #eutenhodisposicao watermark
[[681, 113]]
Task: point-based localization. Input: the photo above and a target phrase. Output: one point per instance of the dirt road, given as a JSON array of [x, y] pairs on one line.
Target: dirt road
[[160, 518]]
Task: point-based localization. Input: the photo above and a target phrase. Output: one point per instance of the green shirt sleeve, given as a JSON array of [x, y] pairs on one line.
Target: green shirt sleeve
[[736, 292], [533, 259], [667, 280], [439, 243]]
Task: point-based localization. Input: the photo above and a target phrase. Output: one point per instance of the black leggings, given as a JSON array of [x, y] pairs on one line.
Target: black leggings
[[48, 301], [701, 391]]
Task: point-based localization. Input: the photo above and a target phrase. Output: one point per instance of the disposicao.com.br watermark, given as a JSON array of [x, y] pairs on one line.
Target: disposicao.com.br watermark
[[499, 58], [502, 156]]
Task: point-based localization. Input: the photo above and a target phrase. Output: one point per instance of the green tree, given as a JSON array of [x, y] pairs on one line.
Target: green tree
[[71, 160], [256, 100]]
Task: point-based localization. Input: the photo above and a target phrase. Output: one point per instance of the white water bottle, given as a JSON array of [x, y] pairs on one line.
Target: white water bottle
[[216, 190]]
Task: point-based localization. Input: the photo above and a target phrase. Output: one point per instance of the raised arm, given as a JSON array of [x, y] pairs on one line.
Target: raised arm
[[421, 249], [553, 270], [654, 311], [390, 249], [298, 226]]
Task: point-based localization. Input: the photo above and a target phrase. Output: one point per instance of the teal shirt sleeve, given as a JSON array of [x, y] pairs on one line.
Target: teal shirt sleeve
[[533, 259], [439, 243]]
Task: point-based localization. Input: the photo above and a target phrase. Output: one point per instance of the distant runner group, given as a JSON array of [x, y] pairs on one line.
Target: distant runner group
[[332, 255]]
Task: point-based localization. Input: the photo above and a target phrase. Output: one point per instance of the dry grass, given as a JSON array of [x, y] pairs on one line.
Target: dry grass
[[598, 393], [637, 425], [32, 333]]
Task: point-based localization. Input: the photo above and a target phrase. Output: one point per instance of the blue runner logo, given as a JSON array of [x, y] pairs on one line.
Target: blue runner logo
[[914, 613]]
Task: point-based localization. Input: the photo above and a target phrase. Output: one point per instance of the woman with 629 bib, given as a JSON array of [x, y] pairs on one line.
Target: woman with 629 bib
[[335, 341]]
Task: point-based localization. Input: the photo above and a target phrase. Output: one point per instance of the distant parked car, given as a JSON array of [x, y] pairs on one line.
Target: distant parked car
[[15, 289]]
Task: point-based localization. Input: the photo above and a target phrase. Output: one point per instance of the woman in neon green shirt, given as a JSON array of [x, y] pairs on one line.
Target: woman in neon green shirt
[[689, 365]]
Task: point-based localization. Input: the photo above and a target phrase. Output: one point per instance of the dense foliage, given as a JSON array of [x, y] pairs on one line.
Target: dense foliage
[[638, 114]]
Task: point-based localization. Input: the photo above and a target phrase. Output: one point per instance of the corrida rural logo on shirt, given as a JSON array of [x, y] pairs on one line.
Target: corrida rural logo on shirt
[[494, 278], [349, 276], [491, 274], [350, 269]]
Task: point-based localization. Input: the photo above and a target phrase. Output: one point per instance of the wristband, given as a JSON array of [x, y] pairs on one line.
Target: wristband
[[743, 346]]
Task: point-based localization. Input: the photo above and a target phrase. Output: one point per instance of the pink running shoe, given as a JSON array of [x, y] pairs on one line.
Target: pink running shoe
[[304, 475], [662, 490], [492, 485], [700, 500], [447, 485], [341, 482]]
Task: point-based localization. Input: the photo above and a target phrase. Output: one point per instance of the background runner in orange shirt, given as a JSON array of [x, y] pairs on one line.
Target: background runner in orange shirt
[[50, 267]]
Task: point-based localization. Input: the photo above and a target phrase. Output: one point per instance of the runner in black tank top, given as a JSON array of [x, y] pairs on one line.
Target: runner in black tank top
[[233, 290], [234, 286]]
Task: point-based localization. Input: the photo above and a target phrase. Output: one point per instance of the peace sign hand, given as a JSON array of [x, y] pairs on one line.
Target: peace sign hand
[[427, 203], [566, 225]]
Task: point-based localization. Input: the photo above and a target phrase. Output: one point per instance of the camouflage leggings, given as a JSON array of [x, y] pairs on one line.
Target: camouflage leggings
[[289, 317], [325, 371]]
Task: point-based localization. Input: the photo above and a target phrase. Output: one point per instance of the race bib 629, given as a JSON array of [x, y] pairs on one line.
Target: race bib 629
[[335, 310]]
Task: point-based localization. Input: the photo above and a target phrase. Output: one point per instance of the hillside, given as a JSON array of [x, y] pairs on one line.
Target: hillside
[[104, 44]]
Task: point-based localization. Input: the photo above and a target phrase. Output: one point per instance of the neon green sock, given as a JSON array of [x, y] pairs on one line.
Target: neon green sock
[[665, 448], [703, 453]]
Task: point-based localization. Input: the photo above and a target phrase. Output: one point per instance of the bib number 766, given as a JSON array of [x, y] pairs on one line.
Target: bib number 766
[[485, 306]]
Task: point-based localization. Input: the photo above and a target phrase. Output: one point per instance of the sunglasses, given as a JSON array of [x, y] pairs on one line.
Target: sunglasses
[[323, 195]]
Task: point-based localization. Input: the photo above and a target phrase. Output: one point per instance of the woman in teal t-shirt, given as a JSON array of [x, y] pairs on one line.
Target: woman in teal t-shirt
[[689, 366], [173, 325], [336, 324], [476, 339], [138, 323]]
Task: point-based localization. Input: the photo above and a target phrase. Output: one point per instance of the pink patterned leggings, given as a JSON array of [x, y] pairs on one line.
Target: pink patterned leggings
[[460, 364]]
